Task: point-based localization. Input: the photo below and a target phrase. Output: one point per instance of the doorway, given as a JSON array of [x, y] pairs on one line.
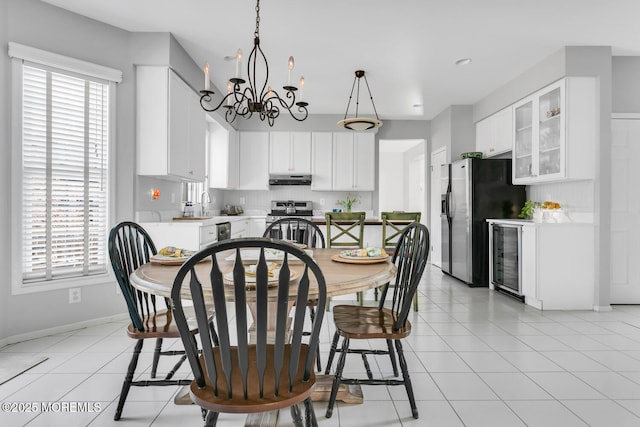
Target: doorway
[[625, 234], [402, 176], [438, 158]]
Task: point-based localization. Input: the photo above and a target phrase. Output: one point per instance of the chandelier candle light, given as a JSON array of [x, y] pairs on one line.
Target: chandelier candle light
[[264, 101]]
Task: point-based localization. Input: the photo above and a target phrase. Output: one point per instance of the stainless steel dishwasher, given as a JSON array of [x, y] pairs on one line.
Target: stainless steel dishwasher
[[224, 231]]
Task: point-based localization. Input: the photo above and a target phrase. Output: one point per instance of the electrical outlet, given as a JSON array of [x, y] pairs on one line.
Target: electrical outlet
[[242, 200], [321, 202], [173, 197], [75, 295]]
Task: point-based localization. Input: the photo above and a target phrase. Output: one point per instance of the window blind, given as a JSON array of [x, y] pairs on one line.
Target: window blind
[[64, 174]]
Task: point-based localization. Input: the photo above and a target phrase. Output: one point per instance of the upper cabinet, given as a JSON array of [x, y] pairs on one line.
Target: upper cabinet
[[494, 134], [322, 161], [171, 126], [555, 132], [353, 161], [253, 167], [223, 157], [290, 153]]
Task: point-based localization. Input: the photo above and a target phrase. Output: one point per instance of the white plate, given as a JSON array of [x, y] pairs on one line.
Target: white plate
[[167, 260], [364, 257]]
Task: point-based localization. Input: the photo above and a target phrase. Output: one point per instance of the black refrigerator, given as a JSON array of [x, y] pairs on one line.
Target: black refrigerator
[[474, 190]]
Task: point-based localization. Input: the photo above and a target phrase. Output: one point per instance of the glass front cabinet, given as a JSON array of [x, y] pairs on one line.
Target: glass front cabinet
[[555, 130]]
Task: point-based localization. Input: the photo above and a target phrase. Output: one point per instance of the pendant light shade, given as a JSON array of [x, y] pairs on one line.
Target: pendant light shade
[[358, 123]]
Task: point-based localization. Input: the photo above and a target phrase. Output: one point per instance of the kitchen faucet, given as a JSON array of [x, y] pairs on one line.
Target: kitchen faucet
[[204, 211]]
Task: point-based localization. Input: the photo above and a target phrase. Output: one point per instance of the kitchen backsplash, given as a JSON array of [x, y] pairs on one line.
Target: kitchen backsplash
[[322, 200], [169, 203], [575, 197]]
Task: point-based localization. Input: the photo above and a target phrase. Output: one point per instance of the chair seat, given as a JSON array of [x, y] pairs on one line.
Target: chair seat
[[269, 402], [159, 325], [360, 322]]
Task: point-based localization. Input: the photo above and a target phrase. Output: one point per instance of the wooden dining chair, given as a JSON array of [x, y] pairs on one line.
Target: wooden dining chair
[[381, 322], [305, 232], [393, 224], [130, 247], [275, 370], [346, 229]]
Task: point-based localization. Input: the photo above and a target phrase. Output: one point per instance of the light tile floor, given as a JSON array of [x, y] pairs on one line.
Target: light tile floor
[[477, 358]]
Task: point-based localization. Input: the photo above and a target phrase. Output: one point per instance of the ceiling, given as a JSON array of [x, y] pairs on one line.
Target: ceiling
[[408, 48]]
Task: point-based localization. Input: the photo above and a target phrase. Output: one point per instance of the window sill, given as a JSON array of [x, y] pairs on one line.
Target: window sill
[[53, 285]]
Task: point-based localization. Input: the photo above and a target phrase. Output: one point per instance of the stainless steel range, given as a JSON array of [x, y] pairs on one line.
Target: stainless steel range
[[289, 209]]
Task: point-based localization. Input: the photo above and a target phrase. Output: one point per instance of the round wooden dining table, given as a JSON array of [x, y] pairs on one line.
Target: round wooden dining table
[[341, 278]]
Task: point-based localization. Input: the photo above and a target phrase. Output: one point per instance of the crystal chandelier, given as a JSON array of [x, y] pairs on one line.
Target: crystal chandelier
[[360, 123], [262, 100]]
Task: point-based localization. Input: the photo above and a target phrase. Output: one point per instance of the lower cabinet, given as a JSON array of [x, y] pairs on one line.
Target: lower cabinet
[[257, 227], [239, 228], [181, 234], [558, 270]]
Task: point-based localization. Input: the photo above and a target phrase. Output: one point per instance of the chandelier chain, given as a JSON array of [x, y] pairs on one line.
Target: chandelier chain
[[257, 31]]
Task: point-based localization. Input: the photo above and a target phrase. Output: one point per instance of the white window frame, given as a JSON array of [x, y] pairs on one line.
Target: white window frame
[[21, 54]]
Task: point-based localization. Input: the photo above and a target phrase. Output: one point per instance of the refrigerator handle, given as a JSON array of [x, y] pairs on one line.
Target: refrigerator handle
[[447, 202]]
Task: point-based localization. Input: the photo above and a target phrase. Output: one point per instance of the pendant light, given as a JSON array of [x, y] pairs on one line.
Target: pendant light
[[358, 123]]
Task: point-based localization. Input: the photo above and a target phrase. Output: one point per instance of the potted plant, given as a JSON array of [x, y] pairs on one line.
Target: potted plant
[[529, 210], [348, 202]]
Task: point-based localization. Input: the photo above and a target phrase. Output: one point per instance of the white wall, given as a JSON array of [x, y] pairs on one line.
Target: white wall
[[46, 27], [626, 84], [392, 166]]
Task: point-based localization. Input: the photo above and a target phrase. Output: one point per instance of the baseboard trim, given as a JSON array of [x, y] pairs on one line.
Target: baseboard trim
[[602, 308], [60, 329]]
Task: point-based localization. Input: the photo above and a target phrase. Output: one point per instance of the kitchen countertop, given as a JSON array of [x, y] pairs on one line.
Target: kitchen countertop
[[209, 220], [321, 220], [536, 223]]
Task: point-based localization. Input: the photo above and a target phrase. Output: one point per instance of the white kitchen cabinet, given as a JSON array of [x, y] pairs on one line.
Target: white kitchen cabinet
[[253, 160], [257, 226], [322, 161], [290, 153], [239, 228], [191, 235], [555, 132], [171, 126], [223, 158], [353, 161], [494, 134]]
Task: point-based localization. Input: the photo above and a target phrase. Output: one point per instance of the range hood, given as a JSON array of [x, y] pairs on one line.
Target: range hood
[[289, 179]]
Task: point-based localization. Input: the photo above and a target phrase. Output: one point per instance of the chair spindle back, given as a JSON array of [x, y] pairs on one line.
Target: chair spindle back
[[270, 301]]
